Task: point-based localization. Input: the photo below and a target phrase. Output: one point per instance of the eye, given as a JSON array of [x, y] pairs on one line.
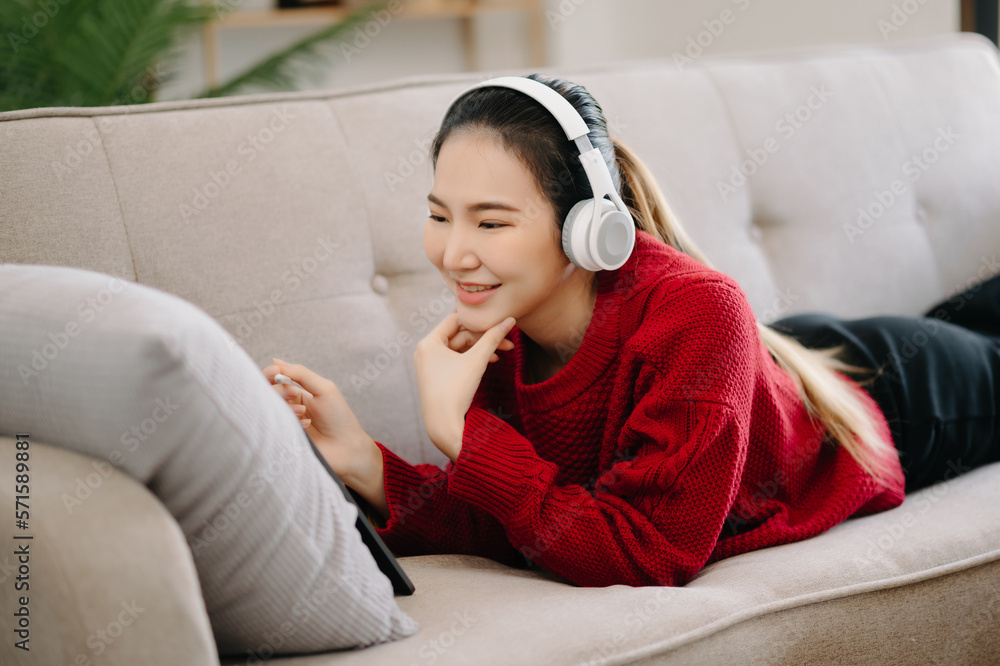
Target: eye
[[492, 225], [437, 218]]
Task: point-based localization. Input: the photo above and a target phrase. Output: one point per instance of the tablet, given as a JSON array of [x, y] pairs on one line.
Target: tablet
[[387, 563]]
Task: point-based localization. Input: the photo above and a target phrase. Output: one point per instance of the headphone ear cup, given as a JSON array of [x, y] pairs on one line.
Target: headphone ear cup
[[613, 236], [576, 235]]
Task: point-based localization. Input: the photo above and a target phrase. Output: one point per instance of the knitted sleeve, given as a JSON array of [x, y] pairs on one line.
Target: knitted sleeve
[[424, 518], [655, 513]]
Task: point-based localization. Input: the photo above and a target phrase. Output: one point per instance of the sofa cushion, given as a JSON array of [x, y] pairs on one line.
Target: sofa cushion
[[151, 384], [916, 584]]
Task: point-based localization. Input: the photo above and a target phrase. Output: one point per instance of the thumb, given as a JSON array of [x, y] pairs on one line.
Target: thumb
[[305, 377]]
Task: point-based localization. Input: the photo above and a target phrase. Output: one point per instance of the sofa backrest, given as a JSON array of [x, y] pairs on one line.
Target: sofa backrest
[[856, 180]]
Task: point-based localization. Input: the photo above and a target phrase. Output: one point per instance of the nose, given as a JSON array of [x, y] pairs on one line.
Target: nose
[[459, 250]]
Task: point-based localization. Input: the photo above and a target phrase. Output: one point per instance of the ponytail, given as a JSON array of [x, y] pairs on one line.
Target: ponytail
[[827, 397]]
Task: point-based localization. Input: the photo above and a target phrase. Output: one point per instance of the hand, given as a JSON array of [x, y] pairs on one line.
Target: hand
[[450, 363], [332, 426], [465, 339]]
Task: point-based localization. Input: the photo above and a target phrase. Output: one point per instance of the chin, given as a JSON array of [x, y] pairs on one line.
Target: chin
[[478, 322]]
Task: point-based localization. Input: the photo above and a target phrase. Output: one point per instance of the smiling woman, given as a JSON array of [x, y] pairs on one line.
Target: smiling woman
[[625, 424]]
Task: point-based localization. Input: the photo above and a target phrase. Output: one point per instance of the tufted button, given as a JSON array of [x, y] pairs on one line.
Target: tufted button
[[380, 284], [755, 233]]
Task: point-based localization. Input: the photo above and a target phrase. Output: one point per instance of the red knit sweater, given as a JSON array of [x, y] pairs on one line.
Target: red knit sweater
[[671, 439]]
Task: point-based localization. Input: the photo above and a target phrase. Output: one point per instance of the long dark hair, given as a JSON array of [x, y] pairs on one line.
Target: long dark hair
[[526, 128]]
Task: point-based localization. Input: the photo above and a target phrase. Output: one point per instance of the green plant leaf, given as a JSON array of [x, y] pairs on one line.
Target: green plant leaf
[[278, 70], [89, 52], [105, 52], [125, 39]]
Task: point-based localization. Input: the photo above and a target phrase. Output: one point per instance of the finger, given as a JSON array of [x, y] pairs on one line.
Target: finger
[[462, 341], [493, 337], [293, 395], [309, 380]]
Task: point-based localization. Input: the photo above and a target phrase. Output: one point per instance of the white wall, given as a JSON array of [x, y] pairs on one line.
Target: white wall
[[581, 31]]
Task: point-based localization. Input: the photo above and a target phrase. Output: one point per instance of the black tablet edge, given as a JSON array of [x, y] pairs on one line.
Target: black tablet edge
[[401, 584]]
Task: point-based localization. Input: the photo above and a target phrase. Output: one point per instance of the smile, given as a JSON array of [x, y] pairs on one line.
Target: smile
[[475, 289], [475, 295]]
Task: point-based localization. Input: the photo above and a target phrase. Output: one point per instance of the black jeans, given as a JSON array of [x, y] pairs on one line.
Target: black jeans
[[939, 385]]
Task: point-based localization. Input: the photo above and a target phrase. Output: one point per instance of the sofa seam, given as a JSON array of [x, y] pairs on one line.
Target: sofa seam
[[722, 624], [328, 103], [892, 112], [734, 128], [118, 198], [958, 40]]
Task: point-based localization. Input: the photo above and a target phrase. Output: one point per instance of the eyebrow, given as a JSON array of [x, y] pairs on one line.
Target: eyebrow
[[479, 207]]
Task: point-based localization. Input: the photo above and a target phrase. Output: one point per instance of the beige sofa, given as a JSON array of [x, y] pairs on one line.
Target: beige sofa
[[295, 220]]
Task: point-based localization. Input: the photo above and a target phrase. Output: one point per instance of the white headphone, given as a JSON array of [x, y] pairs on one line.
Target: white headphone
[[592, 239]]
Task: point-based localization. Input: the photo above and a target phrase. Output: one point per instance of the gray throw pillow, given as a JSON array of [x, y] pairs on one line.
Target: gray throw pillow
[[153, 385]]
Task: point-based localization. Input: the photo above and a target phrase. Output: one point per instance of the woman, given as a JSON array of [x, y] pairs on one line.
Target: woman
[[636, 424]]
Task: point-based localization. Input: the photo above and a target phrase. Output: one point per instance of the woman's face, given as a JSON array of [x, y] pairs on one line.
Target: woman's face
[[490, 225]]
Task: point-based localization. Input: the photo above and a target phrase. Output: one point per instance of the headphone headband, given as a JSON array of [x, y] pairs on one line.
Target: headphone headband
[[568, 117]]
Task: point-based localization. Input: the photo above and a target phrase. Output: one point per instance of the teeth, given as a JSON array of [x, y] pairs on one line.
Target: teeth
[[475, 289]]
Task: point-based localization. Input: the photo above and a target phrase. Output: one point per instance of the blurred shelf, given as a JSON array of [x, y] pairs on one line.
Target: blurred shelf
[[463, 10], [411, 9]]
